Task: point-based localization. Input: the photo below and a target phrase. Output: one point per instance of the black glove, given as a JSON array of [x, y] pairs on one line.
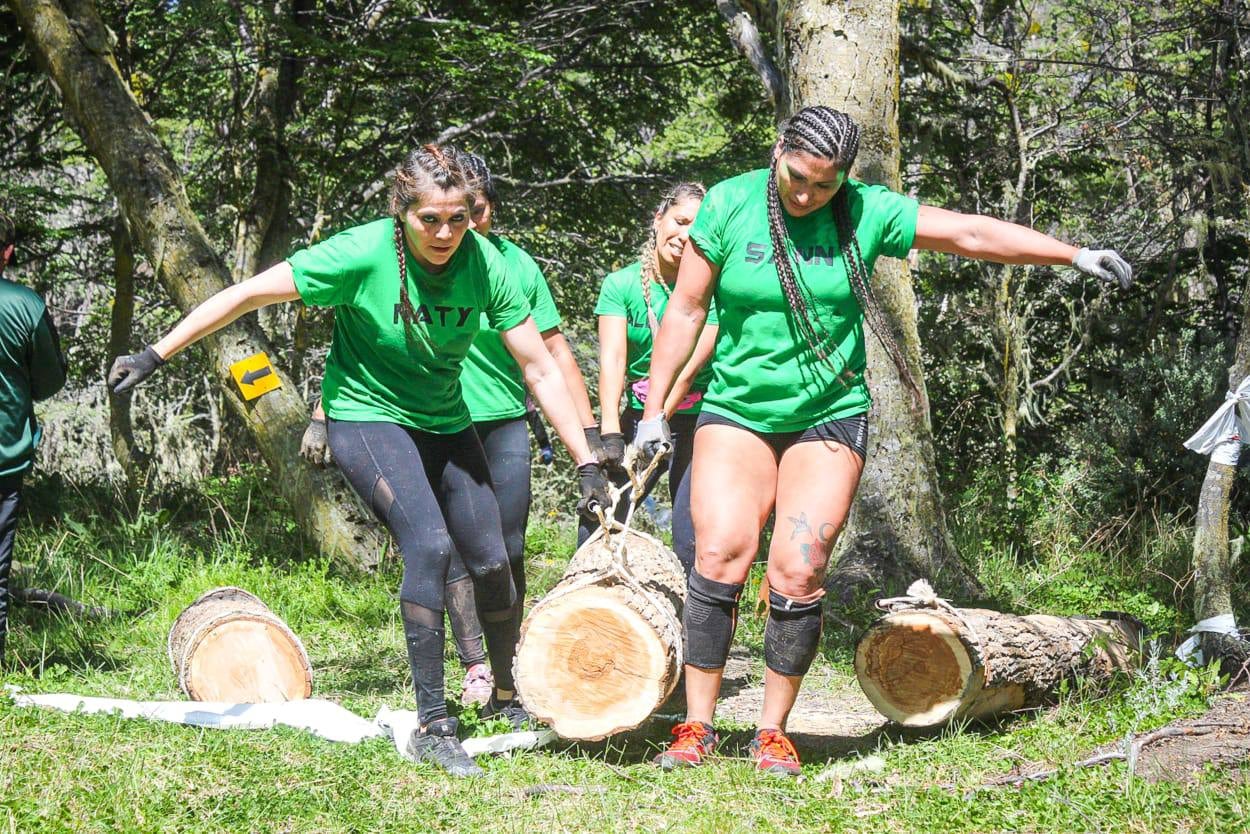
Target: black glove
[[613, 451], [315, 445], [594, 441], [129, 371], [594, 490]]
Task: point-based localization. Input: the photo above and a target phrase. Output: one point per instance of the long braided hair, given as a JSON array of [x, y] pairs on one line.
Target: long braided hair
[[647, 255], [829, 134], [423, 170]]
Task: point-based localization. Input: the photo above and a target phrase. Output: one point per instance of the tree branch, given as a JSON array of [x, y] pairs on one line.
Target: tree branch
[[746, 37]]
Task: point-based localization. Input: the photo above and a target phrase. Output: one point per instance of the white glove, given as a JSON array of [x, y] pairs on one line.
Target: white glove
[[651, 438], [1104, 264]]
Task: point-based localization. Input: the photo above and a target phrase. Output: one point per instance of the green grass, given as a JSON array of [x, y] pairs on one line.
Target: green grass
[[100, 773]]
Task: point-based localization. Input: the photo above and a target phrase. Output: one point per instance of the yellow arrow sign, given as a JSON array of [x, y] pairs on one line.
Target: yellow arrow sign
[[255, 376]]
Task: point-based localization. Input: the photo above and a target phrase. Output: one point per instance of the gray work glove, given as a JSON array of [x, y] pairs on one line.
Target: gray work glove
[[315, 445], [594, 441], [652, 439], [129, 371], [1105, 265]]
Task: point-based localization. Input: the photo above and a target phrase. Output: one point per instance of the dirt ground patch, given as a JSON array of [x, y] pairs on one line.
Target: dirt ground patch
[[1225, 745]]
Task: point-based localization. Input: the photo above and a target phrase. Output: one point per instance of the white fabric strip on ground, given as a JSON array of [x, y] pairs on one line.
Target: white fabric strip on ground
[[324, 719]]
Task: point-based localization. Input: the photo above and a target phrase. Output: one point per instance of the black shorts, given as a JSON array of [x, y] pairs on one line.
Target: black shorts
[[851, 432]]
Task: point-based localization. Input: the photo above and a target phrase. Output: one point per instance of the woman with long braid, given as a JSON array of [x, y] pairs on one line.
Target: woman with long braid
[[410, 291], [494, 391], [631, 304], [788, 252]]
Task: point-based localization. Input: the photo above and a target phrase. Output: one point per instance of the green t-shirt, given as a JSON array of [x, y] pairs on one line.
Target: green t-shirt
[[32, 367], [764, 373], [380, 370], [621, 295], [494, 388]]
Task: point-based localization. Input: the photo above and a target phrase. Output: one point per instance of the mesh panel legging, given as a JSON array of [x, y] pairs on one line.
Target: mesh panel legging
[[507, 445], [682, 426], [431, 490]]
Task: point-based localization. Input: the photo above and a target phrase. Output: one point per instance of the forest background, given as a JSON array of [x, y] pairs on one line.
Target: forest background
[[1057, 406]]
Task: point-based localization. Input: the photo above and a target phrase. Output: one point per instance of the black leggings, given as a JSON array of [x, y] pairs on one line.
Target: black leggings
[[10, 500], [433, 490], [507, 446], [682, 426]]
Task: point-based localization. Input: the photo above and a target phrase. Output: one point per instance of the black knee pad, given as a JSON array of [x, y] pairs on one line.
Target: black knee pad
[[493, 586], [709, 619], [792, 634]]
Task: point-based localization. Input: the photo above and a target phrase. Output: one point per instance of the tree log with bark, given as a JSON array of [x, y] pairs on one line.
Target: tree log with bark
[[603, 650], [927, 665], [73, 45]]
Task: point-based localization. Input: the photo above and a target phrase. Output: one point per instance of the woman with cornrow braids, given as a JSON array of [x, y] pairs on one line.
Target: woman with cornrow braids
[[631, 304], [410, 292], [788, 252]]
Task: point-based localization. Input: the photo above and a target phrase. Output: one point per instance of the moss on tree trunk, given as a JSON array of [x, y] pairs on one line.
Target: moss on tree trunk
[[73, 46]]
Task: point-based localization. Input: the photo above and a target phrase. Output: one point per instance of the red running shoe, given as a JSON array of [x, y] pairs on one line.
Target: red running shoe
[[694, 742], [774, 753]]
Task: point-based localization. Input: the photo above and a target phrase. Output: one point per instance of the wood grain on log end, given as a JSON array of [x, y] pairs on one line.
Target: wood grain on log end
[[598, 654], [916, 670], [228, 646]]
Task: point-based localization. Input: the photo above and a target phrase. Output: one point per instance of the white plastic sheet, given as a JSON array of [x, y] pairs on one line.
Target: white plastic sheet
[[1189, 651], [1222, 436], [324, 719]]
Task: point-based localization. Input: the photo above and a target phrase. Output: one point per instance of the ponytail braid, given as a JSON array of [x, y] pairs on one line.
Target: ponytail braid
[[833, 135], [647, 253], [409, 314]]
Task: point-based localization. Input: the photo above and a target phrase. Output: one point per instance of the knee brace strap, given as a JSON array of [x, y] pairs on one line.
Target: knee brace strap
[[791, 635], [709, 619]]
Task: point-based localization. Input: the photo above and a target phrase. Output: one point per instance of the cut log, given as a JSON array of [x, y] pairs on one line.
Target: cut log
[[923, 667], [228, 646], [601, 652]]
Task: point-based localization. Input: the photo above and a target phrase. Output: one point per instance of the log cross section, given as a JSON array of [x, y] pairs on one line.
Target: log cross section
[[602, 650], [923, 667]]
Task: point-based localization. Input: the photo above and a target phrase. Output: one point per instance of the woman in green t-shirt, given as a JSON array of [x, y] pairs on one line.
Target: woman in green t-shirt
[[410, 292], [631, 305], [494, 390], [784, 422]]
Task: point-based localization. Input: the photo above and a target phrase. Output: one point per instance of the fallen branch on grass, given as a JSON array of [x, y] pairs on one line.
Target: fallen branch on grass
[[1132, 749], [52, 601]]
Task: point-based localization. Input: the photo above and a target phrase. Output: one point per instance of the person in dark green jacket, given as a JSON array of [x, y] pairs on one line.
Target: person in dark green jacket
[[32, 368]]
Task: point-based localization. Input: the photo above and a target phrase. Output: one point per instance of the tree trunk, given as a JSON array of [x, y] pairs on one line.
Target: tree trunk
[[1213, 565], [128, 454], [603, 650], [72, 44], [923, 667], [845, 56]]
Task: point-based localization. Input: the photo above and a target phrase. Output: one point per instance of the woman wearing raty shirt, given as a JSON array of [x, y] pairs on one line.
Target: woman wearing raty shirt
[[788, 252], [410, 291]]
